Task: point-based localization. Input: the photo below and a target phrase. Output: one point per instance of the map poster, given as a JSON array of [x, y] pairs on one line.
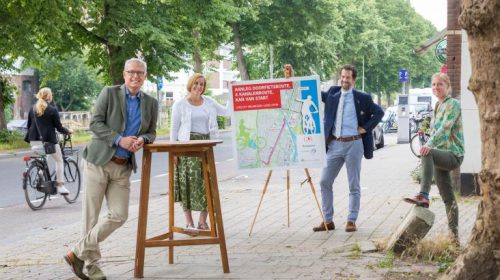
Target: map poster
[[277, 123]]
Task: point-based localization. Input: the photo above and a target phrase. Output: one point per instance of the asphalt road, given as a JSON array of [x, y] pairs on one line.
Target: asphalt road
[[17, 220]]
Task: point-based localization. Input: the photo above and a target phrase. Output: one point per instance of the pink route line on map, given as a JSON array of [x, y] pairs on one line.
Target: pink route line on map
[[275, 144]]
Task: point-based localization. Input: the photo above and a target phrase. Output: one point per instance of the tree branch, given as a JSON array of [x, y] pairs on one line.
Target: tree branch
[[91, 34]]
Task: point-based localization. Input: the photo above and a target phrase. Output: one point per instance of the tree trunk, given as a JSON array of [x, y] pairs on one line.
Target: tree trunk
[[197, 62], [3, 123], [115, 65], [240, 58], [481, 258], [388, 96]]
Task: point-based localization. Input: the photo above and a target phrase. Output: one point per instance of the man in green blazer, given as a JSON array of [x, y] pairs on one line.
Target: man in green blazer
[[124, 120]]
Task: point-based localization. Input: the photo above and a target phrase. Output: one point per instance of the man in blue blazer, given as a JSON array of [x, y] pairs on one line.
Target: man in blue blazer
[[350, 117]]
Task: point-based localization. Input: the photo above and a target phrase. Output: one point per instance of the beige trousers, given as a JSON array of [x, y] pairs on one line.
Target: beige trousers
[[113, 182]]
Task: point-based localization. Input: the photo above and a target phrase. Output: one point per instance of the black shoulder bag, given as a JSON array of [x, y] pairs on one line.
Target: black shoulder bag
[[50, 148]]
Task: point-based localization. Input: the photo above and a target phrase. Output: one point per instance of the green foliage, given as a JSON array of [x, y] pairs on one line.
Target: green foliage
[[7, 91], [204, 27], [388, 260], [6, 99], [316, 37], [108, 31], [416, 173], [81, 137], [73, 84], [293, 29], [383, 34], [114, 31], [355, 251], [440, 249], [221, 122], [11, 140]]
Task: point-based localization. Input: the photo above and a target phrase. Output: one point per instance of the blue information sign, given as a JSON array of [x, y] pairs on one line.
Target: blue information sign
[[159, 83], [403, 75]]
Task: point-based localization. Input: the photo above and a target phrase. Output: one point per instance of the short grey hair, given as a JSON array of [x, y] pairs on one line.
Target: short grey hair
[[136, 60]]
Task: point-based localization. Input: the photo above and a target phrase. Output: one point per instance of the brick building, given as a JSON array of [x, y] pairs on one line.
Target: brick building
[[27, 86]]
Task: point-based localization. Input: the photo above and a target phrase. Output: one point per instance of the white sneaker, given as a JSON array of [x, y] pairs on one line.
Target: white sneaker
[[62, 190]]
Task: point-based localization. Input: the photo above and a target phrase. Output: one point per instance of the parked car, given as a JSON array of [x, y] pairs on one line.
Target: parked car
[[378, 136], [19, 125]]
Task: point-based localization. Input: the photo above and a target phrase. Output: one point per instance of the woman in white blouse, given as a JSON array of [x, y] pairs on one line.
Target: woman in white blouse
[[193, 118]]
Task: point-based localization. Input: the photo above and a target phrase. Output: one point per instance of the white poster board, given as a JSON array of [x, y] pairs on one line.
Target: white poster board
[[277, 123]]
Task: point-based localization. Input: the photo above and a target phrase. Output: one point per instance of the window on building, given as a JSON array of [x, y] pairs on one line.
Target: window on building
[[27, 86]]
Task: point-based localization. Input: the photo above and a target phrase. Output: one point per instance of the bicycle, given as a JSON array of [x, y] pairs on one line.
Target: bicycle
[[417, 141], [39, 183], [421, 137]]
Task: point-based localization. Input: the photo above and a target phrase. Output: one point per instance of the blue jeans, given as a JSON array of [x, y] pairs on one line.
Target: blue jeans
[[339, 153]]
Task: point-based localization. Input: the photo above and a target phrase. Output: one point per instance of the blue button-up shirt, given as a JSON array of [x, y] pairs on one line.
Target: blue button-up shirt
[[132, 123], [349, 117]]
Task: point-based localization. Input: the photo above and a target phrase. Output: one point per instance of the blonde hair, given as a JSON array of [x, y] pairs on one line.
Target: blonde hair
[[288, 71], [43, 97], [445, 78], [193, 78]]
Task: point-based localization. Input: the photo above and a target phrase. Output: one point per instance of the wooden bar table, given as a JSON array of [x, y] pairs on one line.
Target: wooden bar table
[[194, 148]]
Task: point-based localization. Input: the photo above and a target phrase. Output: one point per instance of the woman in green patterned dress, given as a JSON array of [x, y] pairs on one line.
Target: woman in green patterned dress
[[443, 152], [194, 117]]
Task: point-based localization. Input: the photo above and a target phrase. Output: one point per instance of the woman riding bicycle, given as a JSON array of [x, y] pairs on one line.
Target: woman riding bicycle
[[43, 119]]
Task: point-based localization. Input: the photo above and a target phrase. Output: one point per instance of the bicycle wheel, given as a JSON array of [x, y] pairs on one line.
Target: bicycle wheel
[[72, 180], [415, 145], [32, 181]]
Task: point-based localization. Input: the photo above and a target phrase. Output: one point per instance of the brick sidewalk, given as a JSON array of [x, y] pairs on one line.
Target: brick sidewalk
[[274, 251]]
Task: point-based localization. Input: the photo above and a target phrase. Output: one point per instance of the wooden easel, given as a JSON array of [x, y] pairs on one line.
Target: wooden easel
[[193, 148], [308, 179]]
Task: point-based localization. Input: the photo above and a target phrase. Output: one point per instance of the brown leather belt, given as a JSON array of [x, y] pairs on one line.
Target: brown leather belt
[[118, 160], [347, 139]]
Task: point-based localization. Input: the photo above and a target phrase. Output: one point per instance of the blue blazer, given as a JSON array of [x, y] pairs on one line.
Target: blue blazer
[[369, 115]]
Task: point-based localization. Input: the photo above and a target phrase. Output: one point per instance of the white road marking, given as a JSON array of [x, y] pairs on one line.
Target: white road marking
[[161, 175]]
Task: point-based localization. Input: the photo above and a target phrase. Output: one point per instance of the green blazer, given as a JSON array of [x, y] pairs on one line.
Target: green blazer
[[108, 122]]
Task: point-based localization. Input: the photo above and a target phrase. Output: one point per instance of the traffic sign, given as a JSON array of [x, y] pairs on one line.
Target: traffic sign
[[159, 83], [403, 75]]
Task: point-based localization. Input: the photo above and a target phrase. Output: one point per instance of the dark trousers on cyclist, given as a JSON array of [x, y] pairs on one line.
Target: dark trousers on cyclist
[[441, 163], [110, 181]]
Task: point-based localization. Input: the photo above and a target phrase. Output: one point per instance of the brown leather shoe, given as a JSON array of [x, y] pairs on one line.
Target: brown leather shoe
[[350, 226], [76, 265], [321, 227], [419, 200]]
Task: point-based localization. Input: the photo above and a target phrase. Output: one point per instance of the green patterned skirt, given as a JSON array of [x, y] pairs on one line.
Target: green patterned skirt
[[189, 187]]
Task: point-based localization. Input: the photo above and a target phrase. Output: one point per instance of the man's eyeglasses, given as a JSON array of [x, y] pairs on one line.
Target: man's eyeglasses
[[135, 73]]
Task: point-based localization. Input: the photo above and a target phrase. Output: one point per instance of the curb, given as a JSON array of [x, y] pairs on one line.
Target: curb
[[21, 153], [15, 154]]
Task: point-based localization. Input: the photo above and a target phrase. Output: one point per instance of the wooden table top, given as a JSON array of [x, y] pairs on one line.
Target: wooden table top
[[181, 144]]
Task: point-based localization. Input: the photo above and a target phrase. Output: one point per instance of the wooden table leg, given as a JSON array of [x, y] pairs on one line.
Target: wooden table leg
[[218, 210], [208, 193], [142, 219], [171, 202]]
